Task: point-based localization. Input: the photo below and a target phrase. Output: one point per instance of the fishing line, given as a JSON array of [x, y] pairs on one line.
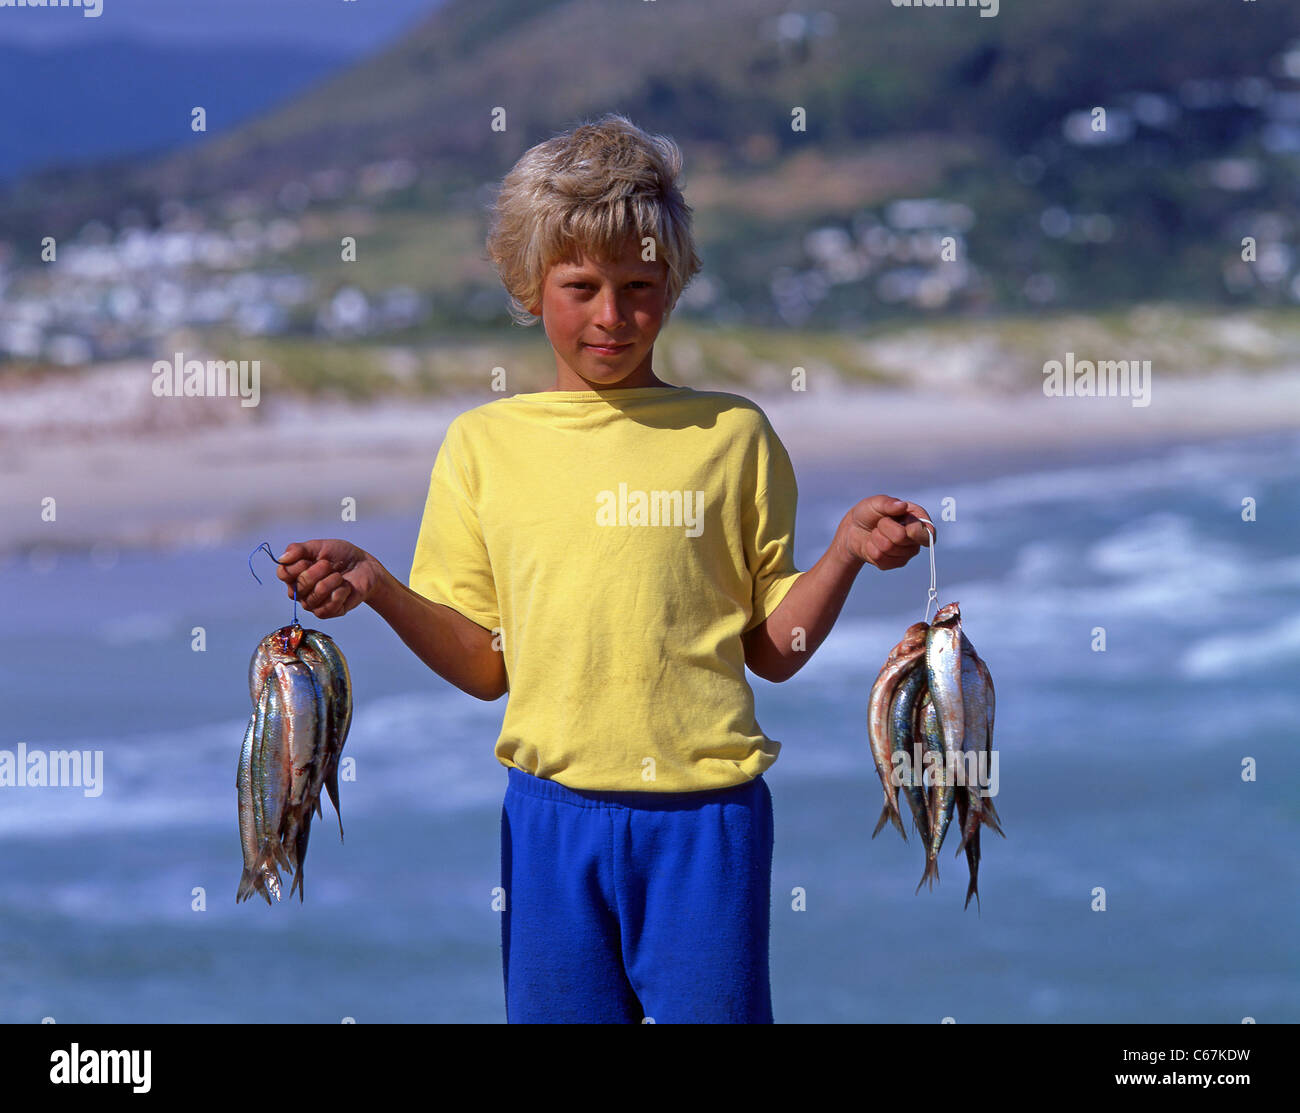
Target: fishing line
[[933, 597], [266, 545]]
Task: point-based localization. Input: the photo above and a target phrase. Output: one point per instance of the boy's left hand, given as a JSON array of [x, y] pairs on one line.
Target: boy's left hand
[[884, 531]]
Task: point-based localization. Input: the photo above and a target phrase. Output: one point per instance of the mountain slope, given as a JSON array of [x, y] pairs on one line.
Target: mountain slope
[[714, 73]]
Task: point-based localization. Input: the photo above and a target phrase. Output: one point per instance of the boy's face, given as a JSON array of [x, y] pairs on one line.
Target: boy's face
[[587, 306]]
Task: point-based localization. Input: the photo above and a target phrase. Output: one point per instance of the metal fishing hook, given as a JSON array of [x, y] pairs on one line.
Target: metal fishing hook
[[933, 597], [284, 563]]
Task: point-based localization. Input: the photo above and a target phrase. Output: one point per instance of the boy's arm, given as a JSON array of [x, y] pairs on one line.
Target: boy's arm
[[458, 650], [812, 604], [867, 534]]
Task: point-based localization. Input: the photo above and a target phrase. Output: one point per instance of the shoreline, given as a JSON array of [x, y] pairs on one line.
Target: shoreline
[[202, 483]]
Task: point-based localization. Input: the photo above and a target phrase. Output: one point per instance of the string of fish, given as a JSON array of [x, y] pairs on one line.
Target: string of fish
[[930, 727], [301, 690]]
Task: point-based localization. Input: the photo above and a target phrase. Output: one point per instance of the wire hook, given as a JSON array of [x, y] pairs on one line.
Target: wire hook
[[933, 597], [266, 545]]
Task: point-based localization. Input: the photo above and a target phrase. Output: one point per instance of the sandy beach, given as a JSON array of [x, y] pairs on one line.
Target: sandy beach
[[127, 469]]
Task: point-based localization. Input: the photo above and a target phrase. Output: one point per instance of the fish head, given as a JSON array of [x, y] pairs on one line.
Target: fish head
[[949, 612], [286, 640], [913, 638]]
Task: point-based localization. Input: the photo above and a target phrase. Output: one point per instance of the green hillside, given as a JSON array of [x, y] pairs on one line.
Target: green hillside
[[900, 103]]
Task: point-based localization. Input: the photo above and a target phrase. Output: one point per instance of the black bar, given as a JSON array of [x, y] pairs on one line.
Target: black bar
[[999, 1061]]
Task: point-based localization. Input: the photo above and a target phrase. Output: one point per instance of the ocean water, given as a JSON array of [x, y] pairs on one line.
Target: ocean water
[[1121, 776]]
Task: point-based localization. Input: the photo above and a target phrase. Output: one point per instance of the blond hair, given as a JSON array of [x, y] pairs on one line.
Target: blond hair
[[586, 191]]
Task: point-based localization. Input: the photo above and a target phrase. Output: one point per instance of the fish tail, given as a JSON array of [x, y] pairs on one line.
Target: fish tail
[[892, 809], [990, 816], [288, 832], [247, 884], [973, 862], [931, 872], [332, 787], [269, 876], [300, 846], [889, 813], [282, 858], [259, 886], [969, 828]]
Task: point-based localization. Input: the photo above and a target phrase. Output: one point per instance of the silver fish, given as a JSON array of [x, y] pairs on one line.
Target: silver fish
[[942, 790], [901, 659], [247, 818], [338, 687], [272, 779], [902, 719], [972, 848], [302, 694], [974, 738], [305, 714], [279, 645], [265, 879], [943, 664], [989, 814]]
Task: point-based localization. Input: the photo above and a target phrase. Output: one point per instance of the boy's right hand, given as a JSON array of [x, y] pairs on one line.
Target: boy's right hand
[[331, 576]]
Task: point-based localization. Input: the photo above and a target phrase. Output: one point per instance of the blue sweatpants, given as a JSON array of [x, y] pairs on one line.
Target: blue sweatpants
[[629, 905]]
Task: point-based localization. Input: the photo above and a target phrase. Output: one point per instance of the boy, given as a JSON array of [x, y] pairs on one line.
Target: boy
[[631, 543]]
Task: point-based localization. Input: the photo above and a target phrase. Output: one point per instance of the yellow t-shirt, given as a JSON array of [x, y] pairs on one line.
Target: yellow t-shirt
[[620, 541]]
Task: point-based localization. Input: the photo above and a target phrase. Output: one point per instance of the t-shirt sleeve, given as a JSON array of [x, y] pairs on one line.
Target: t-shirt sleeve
[[451, 564], [768, 523]]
